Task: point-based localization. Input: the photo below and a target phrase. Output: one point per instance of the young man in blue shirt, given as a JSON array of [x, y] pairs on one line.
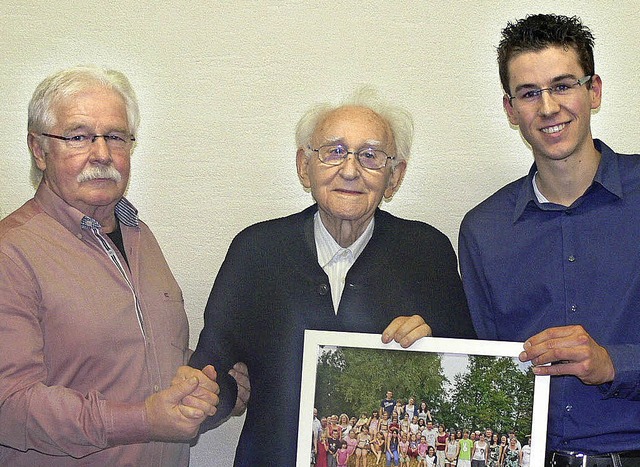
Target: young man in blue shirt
[[553, 259]]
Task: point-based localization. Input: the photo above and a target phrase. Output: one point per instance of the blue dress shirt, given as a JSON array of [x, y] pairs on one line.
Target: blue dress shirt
[[527, 266]]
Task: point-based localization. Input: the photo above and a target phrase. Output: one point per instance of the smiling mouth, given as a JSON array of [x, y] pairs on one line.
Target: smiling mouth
[[348, 192], [554, 129]]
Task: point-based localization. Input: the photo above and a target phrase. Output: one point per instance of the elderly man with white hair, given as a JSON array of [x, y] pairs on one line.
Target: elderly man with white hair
[[342, 264], [94, 337]]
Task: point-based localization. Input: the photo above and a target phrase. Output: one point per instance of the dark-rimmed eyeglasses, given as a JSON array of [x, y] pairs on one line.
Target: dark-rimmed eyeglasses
[[115, 140], [562, 88], [336, 154]]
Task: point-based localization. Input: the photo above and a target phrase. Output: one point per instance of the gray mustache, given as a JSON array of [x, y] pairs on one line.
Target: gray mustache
[[104, 172]]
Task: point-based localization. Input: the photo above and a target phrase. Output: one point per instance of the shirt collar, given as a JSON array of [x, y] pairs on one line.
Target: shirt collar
[[607, 176], [327, 246], [125, 213]]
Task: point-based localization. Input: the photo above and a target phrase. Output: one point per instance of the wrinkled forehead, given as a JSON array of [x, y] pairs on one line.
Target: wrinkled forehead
[[88, 103], [353, 125]]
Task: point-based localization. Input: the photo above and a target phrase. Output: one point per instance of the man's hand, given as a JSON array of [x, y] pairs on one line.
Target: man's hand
[[571, 351], [405, 330], [168, 418], [205, 395], [240, 373]]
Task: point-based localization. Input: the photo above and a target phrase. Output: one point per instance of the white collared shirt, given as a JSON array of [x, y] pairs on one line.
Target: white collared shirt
[[334, 259]]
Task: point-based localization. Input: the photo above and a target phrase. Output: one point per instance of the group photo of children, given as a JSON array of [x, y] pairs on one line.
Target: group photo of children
[[409, 435]]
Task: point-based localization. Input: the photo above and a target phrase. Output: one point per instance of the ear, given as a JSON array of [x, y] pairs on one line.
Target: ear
[[395, 179], [596, 91], [511, 112], [37, 151], [302, 165]]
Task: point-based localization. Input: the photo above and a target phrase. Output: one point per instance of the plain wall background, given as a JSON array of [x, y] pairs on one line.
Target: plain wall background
[[221, 86]]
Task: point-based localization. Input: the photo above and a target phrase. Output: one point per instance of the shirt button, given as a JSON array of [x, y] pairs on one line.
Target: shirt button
[[156, 388], [568, 408], [79, 236], [571, 258], [351, 285], [323, 289], [573, 308]]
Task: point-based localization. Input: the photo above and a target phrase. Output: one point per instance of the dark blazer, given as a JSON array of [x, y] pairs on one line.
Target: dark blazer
[[271, 288]]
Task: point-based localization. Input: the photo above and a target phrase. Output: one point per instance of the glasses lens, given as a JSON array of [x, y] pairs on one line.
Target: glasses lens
[[79, 141], [528, 95], [332, 155], [372, 158], [117, 140], [561, 89]]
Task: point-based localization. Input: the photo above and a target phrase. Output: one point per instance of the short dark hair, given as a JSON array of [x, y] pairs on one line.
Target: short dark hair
[[537, 32]]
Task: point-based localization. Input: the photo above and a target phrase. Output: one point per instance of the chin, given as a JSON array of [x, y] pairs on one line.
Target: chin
[[556, 152], [350, 216], [105, 195], [103, 200]]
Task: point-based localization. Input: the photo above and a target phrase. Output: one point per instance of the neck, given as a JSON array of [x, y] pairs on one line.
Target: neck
[[564, 181], [345, 231], [106, 216]]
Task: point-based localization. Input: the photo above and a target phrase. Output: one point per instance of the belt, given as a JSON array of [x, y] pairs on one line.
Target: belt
[[578, 459]]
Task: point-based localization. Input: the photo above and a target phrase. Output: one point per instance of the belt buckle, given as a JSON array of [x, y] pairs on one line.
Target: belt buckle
[[571, 455]]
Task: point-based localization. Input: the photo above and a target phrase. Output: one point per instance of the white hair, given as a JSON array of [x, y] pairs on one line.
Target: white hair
[[398, 119], [71, 81]]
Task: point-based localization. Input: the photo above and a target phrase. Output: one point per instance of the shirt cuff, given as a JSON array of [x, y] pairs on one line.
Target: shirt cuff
[[126, 423], [626, 384]]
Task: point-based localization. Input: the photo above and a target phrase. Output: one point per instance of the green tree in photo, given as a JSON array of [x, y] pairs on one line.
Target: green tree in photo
[[495, 393], [361, 377], [327, 399]]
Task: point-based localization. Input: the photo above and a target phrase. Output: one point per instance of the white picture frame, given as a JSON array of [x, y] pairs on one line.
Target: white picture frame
[[315, 341]]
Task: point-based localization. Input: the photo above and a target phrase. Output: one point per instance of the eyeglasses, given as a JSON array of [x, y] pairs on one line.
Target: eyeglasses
[[82, 141], [563, 88], [336, 154]]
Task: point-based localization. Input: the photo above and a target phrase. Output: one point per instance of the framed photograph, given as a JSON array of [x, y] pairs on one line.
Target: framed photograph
[[471, 385]]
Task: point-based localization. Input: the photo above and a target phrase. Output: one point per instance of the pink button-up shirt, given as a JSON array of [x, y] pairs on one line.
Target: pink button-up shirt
[[75, 364]]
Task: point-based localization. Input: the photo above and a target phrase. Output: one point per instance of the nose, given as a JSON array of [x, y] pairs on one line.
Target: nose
[[350, 168], [548, 103], [100, 151]]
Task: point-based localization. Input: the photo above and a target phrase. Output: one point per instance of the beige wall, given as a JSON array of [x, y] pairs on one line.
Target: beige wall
[[222, 85]]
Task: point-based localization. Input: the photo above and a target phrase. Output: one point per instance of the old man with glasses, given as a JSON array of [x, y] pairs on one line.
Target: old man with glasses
[[94, 335], [342, 264]]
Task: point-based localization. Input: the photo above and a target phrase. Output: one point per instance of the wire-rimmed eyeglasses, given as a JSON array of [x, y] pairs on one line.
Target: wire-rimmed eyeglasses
[[368, 158]]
